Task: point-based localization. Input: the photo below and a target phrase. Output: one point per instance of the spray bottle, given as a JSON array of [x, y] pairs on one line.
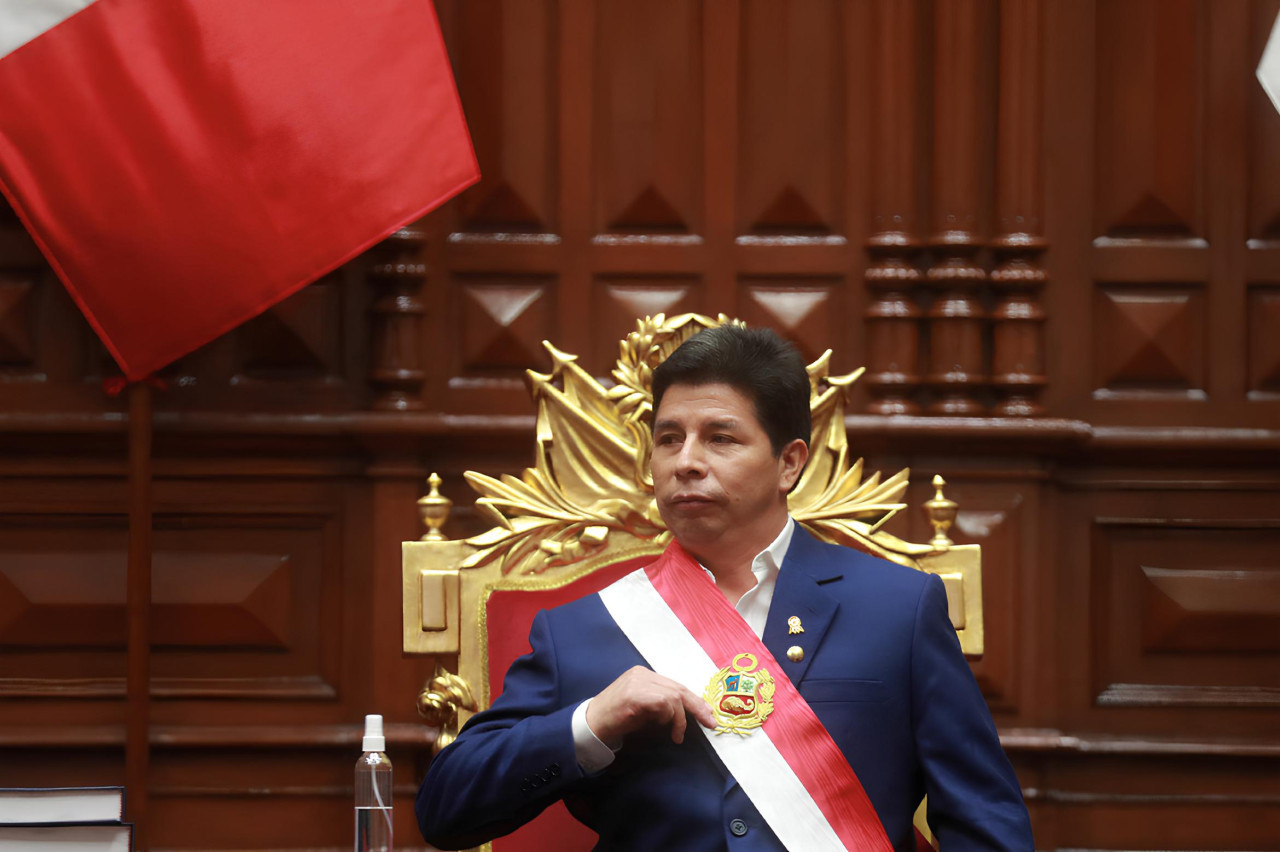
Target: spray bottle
[[373, 791]]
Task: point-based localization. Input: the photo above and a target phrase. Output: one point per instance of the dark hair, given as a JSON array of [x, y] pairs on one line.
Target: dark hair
[[754, 361]]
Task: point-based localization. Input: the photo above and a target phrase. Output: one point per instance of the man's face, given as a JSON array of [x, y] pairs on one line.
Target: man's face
[[715, 476]]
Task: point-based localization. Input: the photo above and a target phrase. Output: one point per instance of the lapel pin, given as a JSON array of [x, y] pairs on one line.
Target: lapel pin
[[793, 625], [795, 653]]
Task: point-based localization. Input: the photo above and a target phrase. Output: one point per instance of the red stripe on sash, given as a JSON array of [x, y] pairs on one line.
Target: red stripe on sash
[[792, 727]]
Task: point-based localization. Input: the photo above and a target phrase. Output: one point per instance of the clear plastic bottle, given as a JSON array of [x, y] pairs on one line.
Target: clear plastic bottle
[[373, 791]]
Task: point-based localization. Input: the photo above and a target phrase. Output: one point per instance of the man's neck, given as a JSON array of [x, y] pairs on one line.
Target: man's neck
[[730, 561]]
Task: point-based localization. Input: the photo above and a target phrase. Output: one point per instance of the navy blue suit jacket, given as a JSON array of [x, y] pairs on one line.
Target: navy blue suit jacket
[[882, 670]]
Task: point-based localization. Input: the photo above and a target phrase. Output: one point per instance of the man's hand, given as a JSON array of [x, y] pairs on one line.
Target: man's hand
[[641, 698]]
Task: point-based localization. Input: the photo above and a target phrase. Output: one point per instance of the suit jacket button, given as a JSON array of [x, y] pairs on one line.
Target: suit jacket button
[[738, 827]]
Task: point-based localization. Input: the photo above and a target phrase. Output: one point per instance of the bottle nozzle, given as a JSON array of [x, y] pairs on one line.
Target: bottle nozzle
[[373, 738]]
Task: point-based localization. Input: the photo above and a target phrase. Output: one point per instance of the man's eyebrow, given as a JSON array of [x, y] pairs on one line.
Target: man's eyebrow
[[727, 423]]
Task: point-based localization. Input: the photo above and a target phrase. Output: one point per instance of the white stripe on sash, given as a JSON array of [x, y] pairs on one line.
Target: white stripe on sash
[[23, 20], [765, 776]]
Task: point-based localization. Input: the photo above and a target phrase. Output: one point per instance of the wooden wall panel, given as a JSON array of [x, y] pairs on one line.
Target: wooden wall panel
[[804, 310], [619, 301], [1171, 620], [1048, 228], [1264, 141], [791, 127], [501, 321], [648, 117], [504, 53], [1150, 136], [1149, 340], [1263, 310], [1188, 612]]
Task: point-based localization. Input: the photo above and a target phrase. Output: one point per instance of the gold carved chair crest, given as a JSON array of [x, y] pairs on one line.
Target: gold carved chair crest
[[587, 507]]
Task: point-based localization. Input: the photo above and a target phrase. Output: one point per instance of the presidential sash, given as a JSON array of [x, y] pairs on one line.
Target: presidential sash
[[767, 736]]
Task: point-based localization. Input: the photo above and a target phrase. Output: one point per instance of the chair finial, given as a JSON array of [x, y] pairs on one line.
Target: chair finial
[[434, 509], [942, 514]]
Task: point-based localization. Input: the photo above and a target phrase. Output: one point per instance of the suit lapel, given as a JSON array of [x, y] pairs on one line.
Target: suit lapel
[[799, 593]]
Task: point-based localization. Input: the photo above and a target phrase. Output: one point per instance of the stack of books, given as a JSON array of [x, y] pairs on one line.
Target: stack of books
[[64, 819]]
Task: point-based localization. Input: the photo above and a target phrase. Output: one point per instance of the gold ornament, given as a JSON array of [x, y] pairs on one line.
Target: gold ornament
[[591, 484], [740, 695]]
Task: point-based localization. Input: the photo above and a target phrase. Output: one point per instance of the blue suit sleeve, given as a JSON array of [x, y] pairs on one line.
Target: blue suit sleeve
[[975, 800], [509, 762]]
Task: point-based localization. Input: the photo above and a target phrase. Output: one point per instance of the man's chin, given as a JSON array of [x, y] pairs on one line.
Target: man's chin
[[695, 534]]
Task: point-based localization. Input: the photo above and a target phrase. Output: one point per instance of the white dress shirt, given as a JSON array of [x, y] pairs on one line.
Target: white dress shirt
[[592, 753]]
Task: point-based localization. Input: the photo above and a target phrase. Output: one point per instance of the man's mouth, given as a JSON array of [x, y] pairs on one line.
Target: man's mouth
[[691, 500]]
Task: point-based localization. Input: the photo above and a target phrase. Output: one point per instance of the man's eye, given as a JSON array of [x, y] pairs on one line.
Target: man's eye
[[721, 439], [664, 440]]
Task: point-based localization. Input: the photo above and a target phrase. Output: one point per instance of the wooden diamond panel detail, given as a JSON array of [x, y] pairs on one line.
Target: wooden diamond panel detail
[[1150, 64], [1264, 131], [1149, 338], [805, 311], [234, 597], [70, 599], [1264, 339], [648, 117], [505, 56], [1186, 612], [297, 338], [791, 119], [17, 317], [621, 301], [504, 321]]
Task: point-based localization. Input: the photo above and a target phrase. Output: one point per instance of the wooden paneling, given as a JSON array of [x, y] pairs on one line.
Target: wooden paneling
[[1150, 90], [503, 53], [621, 300], [1048, 228], [1188, 612], [791, 128], [805, 311], [501, 320], [1149, 340], [648, 107], [1263, 332]]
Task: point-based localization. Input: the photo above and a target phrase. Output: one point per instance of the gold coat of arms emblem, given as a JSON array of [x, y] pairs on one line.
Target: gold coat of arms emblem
[[740, 695]]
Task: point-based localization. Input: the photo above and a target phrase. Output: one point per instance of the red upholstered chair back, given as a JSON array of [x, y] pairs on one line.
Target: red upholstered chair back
[[509, 613]]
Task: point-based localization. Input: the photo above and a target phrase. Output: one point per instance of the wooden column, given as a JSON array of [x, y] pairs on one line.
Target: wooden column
[[1018, 320], [397, 275], [893, 318], [956, 370]]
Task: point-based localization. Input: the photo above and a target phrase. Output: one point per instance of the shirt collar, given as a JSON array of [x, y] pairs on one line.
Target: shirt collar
[[768, 562]]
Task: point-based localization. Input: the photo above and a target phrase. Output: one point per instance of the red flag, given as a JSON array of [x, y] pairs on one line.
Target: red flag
[[185, 164]]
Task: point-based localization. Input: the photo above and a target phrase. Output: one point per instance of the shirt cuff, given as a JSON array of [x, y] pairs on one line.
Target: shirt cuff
[[592, 754]]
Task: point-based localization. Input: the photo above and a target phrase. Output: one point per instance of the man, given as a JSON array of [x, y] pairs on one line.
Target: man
[[825, 735]]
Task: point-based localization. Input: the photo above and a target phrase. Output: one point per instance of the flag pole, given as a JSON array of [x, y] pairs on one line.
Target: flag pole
[[138, 682]]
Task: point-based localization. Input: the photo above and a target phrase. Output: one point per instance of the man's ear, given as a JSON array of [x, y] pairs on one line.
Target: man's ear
[[791, 462]]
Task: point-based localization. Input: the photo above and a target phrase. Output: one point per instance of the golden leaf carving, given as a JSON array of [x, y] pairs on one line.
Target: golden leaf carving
[[591, 474]]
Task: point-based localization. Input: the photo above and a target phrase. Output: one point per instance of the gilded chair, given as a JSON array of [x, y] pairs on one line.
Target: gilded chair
[[584, 516]]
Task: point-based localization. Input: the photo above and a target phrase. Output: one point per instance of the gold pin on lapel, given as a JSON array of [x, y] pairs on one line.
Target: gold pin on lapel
[[793, 625], [795, 653]]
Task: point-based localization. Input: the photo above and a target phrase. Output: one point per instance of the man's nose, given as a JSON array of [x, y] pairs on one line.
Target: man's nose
[[691, 461]]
